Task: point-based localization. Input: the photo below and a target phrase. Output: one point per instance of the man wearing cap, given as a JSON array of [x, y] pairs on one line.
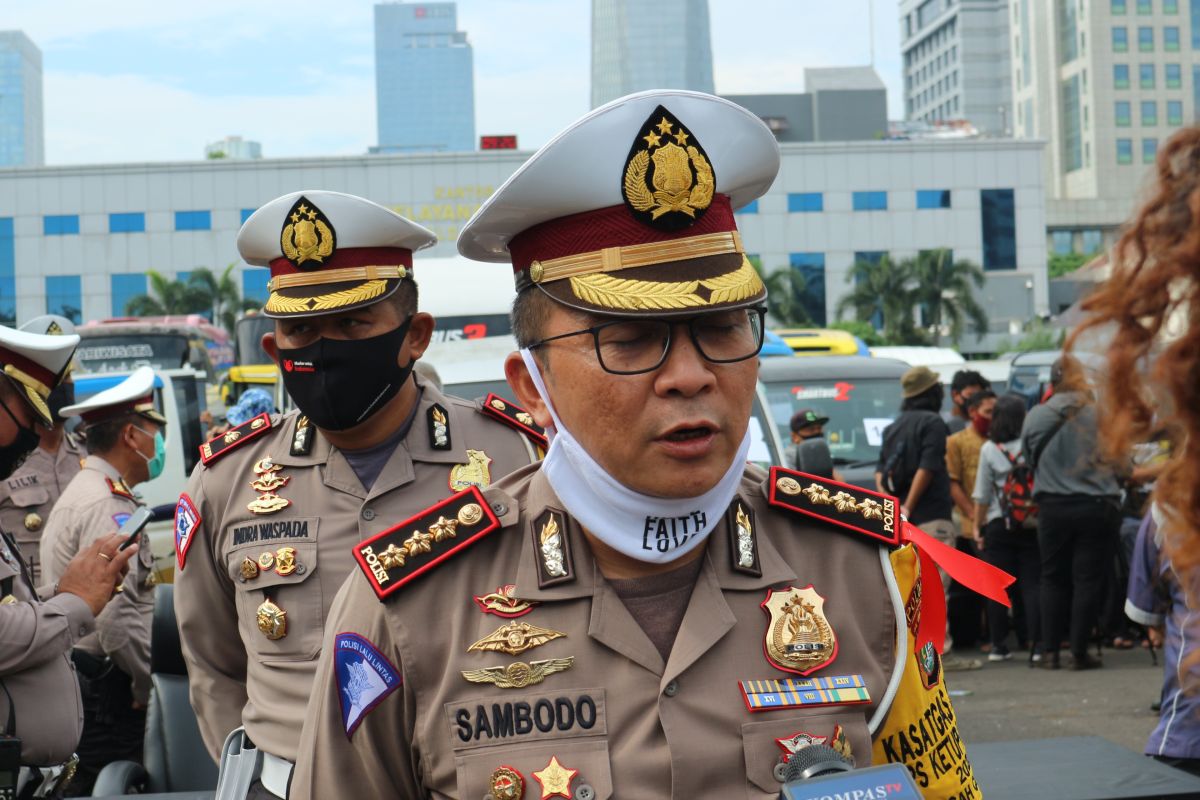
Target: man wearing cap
[[40, 698], [265, 530], [609, 623], [27, 496], [125, 443]]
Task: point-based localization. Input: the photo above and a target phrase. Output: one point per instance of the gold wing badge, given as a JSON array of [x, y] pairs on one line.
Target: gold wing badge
[[669, 180], [515, 638], [519, 674], [308, 237]]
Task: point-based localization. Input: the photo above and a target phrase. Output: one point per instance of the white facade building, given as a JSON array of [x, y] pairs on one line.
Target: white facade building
[[233, 147], [79, 240], [956, 62]]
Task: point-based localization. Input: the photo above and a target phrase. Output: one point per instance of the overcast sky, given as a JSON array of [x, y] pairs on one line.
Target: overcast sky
[[153, 80]]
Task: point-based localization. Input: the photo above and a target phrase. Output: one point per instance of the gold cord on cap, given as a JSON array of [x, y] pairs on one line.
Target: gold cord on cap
[[612, 259]]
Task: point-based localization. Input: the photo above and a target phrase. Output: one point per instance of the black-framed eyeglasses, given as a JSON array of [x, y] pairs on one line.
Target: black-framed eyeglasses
[[634, 346]]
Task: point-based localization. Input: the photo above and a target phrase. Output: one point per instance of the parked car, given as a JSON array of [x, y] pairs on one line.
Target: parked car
[[861, 397]]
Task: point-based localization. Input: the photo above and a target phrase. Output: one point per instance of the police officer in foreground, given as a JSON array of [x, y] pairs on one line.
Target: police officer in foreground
[[28, 495], [125, 436], [39, 696], [264, 532], [643, 615]]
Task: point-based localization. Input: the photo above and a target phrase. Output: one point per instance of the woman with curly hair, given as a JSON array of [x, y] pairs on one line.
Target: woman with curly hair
[[1150, 307]]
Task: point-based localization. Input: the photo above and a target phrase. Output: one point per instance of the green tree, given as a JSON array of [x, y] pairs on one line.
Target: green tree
[[863, 330], [225, 298], [945, 289], [785, 290], [1060, 264], [883, 287], [167, 296]]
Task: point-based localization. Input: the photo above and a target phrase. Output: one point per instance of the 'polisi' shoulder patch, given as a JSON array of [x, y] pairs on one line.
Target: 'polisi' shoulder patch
[[187, 520], [120, 488], [514, 416], [213, 449], [418, 544], [364, 677], [851, 507]]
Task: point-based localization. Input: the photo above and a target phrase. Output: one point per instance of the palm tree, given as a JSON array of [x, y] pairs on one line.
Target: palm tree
[[946, 291], [883, 287], [785, 288], [167, 297], [226, 299]]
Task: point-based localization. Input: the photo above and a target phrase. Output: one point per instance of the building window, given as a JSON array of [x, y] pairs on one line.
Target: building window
[[193, 220], [134, 222], [1145, 8], [1171, 39], [246, 212], [64, 296], [1068, 32], [8, 274], [1170, 6], [870, 201], [1072, 140], [1061, 242], [61, 225], [1123, 114], [1174, 113], [800, 202], [1124, 151], [749, 208], [1149, 112], [933, 198], [1194, 6], [1120, 76], [1092, 241], [999, 220], [254, 284], [1117, 7], [1146, 40], [1146, 76], [1173, 76], [1120, 39], [811, 267], [124, 288], [1149, 150], [1196, 92]]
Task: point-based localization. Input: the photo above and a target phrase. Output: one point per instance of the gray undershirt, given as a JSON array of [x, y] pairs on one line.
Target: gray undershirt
[[657, 602], [369, 462]]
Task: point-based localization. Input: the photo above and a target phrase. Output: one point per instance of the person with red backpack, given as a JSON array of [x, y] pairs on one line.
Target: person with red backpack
[[1006, 518]]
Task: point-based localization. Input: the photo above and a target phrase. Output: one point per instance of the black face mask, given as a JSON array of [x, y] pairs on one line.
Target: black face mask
[[62, 396], [339, 383], [13, 455]]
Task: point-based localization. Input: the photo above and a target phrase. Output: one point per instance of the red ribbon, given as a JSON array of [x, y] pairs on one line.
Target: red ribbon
[[978, 576]]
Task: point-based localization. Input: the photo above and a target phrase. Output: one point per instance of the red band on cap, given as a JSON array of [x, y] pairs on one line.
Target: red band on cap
[[350, 257], [607, 227], [30, 368]]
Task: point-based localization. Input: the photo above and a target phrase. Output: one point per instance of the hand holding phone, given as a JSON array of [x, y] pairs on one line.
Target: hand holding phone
[[132, 527]]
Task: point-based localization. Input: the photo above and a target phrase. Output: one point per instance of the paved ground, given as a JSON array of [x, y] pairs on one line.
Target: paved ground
[[1008, 700]]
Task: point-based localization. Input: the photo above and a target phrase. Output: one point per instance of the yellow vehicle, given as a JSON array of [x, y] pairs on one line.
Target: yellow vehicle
[[252, 366], [822, 342]]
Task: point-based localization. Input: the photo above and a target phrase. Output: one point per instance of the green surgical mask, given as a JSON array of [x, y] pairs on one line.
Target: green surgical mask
[[155, 465]]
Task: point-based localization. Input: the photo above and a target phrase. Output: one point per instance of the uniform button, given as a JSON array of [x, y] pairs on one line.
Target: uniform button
[[500, 509], [585, 792], [368, 514], [301, 569], [671, 689]]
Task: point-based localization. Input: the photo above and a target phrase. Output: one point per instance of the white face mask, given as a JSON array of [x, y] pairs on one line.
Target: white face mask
[[656, 530]]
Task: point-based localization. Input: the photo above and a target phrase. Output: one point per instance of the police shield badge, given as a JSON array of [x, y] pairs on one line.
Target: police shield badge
[[364, 677], [799, 638]]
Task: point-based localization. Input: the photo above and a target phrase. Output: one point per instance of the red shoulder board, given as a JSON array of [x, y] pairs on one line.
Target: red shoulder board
[[119, 488], [213, 449], [852, 507], [516, 417], [418, 544]]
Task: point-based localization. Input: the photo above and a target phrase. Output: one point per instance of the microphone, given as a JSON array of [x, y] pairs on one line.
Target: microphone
[[818, 772]]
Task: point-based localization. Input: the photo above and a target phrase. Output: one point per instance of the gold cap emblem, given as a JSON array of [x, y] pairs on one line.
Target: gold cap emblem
[[668, 182], [308, 237]]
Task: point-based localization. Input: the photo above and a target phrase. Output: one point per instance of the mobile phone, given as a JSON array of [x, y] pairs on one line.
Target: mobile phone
[[132, 527]]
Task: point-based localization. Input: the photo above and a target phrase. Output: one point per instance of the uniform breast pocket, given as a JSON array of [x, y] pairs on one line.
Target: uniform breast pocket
[[23, 519], [552, 744], [766, 743], [279, 603]]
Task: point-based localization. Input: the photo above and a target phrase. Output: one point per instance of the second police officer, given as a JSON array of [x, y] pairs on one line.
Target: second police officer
[[265, 530]]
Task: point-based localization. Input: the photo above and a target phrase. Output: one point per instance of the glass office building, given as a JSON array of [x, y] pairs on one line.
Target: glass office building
[[424, 79], [638, 46], [21, 138]]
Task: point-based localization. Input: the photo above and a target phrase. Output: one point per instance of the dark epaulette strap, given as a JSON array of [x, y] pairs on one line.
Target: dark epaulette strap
[[514, 416], [851, 507], [214, 448], [418, 544]]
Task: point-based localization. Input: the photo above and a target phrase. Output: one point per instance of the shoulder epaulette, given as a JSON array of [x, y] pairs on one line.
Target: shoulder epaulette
[[119, 488], [515, 417], [418, 544], [214, 448], [851, 507]]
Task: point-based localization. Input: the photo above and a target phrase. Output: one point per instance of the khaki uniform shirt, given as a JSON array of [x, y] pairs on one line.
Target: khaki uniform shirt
[[35, 663], [411, 702], [94, 505], [29, 494], [249, 663]]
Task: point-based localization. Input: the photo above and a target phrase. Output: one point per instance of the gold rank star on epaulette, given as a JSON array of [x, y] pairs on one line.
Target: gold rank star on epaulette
[[405, 551], [851, 507], [213, 449], [514, 416]]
